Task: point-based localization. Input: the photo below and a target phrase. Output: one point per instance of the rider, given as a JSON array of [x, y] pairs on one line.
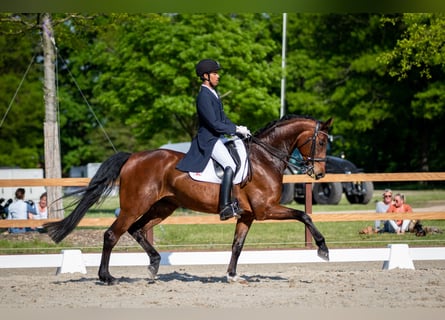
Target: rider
[[213, 124]]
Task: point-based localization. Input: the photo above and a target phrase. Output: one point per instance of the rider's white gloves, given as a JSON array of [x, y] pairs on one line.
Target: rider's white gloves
[[242, 130]]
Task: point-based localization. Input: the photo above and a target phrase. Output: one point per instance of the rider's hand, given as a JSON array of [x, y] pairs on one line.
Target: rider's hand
[[242, 130]]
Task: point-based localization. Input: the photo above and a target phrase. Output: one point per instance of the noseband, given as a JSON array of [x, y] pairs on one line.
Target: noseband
[[307, 164]]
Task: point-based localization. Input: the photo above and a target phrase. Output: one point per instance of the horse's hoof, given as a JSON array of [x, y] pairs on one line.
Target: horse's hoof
[[111, 281], [324, 254], [152, 273], [236, 279]]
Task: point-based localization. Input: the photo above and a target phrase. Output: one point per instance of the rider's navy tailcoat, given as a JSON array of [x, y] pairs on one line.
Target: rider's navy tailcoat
[[213, 123]]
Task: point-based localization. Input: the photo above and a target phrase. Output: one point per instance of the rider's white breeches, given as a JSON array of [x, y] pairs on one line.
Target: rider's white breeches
[[222, 155]]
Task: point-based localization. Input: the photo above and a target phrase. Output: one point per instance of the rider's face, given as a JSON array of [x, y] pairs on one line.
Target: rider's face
[[214, 78]]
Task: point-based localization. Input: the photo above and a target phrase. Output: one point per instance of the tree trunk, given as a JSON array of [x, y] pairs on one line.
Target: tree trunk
[[51, 127]]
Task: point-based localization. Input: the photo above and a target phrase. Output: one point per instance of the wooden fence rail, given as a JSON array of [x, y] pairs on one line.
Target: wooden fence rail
[[214, 219], [375, 177]]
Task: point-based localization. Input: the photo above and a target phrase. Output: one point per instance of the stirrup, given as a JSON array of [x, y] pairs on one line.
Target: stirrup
[[231, 210]]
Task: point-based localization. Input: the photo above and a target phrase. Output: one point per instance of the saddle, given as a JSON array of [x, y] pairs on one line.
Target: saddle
[[213, 172]]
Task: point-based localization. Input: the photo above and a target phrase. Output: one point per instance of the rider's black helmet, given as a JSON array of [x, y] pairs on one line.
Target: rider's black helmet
[[206, 66]]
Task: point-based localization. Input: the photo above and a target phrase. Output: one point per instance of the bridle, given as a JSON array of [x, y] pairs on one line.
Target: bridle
[[307, 164]]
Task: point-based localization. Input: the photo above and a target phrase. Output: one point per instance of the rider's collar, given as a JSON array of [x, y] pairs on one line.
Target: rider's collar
[[211, 89]]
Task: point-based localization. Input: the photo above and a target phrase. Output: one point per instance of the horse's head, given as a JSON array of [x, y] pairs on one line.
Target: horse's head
[[312, 144], [280, 138]]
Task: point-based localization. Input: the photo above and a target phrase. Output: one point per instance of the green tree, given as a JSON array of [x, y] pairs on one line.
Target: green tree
[[335, 68], [418, 62], [146, 73], [333, 71], [21, 115], [129, 79]]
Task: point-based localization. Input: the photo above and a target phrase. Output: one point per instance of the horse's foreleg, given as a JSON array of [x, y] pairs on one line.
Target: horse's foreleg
[[242, 228], [283, 213], [323, 251]]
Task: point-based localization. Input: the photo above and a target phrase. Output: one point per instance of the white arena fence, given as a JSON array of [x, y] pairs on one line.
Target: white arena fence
[[394, 256]]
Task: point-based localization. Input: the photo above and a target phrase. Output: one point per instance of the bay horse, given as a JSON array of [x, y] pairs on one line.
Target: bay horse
[[151, 188]]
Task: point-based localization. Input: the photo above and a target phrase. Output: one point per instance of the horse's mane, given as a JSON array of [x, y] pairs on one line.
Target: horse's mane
[[274, 123]]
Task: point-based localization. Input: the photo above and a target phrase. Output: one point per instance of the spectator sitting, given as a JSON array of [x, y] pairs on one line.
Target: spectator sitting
[[20, 210], [382, 207], [399, 205], [42, 209], [42, 212]]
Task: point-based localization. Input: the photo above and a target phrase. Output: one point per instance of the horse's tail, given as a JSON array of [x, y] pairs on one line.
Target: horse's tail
[[98, 189]]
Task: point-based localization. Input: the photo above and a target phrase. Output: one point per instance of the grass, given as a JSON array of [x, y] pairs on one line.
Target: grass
[[261, 236], [285, 235]]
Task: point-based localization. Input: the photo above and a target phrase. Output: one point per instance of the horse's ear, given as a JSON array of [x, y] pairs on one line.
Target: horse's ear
[[327, 125]]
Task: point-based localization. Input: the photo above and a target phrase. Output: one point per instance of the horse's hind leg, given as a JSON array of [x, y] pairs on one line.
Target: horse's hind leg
[[155, 258], [110, 241], [111, 237], [155, 215]]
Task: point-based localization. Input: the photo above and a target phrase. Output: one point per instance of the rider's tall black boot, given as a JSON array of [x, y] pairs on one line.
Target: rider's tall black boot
[[227, 207]]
